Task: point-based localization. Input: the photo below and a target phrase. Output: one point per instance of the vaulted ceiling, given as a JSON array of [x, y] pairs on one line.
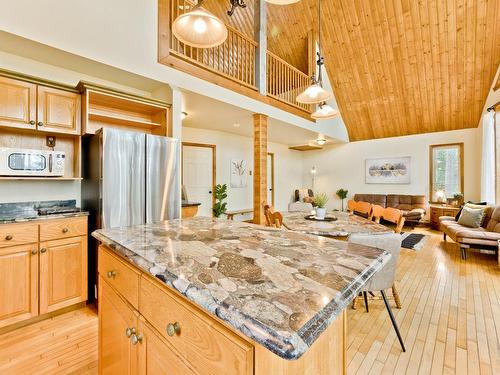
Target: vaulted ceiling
[[397, 67]]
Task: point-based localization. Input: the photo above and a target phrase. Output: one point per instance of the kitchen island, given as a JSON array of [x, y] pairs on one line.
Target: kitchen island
[[210, 296]]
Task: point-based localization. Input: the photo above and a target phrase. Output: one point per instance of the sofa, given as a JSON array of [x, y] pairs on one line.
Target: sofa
[[484, 237], [413, 206]]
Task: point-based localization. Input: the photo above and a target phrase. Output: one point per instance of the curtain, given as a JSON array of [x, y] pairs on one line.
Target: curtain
[[488, 159]]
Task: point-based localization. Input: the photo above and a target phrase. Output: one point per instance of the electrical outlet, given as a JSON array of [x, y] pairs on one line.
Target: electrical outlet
[[51, 141]]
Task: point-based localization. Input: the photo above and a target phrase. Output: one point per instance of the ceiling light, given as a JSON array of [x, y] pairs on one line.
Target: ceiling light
[[282, 2], [314, 94], [325, 112], [183, 115], [199, 28], [321, 141], [236, 125]]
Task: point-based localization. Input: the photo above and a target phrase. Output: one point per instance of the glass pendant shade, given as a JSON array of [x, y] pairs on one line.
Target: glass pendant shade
[[199, 28], [314, 94], [282, 2], [325, 112]]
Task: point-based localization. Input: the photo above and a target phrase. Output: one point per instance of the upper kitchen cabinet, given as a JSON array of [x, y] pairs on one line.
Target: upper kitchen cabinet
[[58, 111], [108, 108], [28, 103], [17, 103]]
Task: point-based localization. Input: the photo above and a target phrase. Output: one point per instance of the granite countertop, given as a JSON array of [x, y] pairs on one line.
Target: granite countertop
[[279, 288], [28, 211]]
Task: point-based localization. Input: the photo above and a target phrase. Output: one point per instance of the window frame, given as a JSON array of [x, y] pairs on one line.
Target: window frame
[[431, 167]]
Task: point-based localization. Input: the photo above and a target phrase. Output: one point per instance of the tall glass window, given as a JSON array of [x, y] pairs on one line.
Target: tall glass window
[[446, 171]]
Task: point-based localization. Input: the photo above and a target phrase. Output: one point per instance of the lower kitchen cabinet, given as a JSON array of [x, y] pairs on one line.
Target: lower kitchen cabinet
[[63, 273], [19, 281], [117, 325]]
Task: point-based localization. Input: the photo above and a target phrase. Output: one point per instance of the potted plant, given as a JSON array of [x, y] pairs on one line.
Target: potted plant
[[342, 194], [320, 201], [220, 195]]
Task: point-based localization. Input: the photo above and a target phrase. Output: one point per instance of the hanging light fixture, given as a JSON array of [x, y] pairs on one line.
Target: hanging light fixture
[[282, 2], [199, 28], [321, 140], [315, 93], [324, 112]]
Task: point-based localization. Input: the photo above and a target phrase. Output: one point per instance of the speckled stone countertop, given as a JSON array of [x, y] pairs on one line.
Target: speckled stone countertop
[[21, 212], [280, 288]]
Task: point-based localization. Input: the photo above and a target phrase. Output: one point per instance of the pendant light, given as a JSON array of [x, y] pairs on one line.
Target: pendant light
[[315, 93], [324, 112], [199, 28]]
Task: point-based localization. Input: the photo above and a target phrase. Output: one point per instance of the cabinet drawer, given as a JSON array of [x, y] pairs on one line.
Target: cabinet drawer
[[63, 228], [18, 234], [208, 347], [119, 275], [450, 213]]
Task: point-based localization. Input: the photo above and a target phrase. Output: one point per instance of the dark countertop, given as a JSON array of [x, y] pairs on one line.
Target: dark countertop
[[279, 288], [190, 204], [21, 212]]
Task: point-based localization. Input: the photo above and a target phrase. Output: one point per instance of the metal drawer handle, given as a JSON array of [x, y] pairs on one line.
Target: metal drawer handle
[[34, 251], [40, 123], [44, 250], [32, 122], [136, 339], [173, 328], [65, 230], [9, 237], [111, 274], [129, 332]]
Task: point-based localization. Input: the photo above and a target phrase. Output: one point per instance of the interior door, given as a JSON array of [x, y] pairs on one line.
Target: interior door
[[197, 176], [117, 355], [270, 178], [63, 273], [17, 104]]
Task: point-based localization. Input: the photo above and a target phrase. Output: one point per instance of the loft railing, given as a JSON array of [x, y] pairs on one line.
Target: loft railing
[[234, 59], [285, 82]]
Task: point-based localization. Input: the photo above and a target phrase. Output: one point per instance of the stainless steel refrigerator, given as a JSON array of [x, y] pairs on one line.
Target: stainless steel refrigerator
[[130, 178]]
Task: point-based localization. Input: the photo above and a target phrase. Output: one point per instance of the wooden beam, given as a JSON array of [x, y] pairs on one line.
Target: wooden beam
[[260, 167], [260, 33]]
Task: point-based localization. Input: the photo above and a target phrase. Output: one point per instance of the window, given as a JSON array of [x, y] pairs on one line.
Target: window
[[446, 171]]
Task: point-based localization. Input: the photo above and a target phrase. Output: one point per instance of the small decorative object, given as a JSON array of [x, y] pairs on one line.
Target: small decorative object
[[320, 201], [342, 194], [238, 173], [388, 171], [440, 196], [220, 195]]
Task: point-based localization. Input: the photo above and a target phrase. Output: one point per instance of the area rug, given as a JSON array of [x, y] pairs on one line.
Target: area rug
[[413, 241]]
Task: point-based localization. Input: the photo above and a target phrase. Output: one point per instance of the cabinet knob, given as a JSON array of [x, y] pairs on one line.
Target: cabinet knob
[[136, 339], [34, 251], [173, 328], [111, 274], [40, 123], [32, 122], [9, 237], [129, 331], [65, 230], [44, 250]]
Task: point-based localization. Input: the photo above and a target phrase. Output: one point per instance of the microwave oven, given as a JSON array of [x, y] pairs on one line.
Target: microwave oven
[[25, 162]]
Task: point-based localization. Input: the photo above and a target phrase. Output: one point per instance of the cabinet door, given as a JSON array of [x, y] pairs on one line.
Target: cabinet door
[[17, 103], [117, 355], [59, 111], [63, 273], [19, 283], [156, 356]]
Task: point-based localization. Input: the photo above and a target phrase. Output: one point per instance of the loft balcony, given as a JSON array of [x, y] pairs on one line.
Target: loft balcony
[[234, 64]]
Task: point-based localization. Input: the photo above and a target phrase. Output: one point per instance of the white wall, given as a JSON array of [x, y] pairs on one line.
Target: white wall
[[343, 166], [287, 166]]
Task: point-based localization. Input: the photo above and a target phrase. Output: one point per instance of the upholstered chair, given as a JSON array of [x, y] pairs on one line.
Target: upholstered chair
[[377, 212], [351, 205], [363, 209], [395, 216], [384, 279]]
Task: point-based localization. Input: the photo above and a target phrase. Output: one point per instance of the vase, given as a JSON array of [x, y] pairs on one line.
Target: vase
[[320, 212]]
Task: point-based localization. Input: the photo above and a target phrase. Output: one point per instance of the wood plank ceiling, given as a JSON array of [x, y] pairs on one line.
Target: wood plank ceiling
[[397, 67]]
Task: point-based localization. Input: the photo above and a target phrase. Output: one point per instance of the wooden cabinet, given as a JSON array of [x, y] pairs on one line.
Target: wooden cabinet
[[58, 111], [26, 105], [63, 273], [38, 277], [436, 211], [17, 104], [117, 354], [19, 283]]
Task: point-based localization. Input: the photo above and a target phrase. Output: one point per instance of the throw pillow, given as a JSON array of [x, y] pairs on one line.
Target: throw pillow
[[302, 194], [471, 217], [457, 216], [308, 199]]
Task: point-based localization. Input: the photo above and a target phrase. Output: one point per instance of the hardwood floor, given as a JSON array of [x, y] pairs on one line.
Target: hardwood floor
[[65, 344], [450, 318], [450, 322]]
